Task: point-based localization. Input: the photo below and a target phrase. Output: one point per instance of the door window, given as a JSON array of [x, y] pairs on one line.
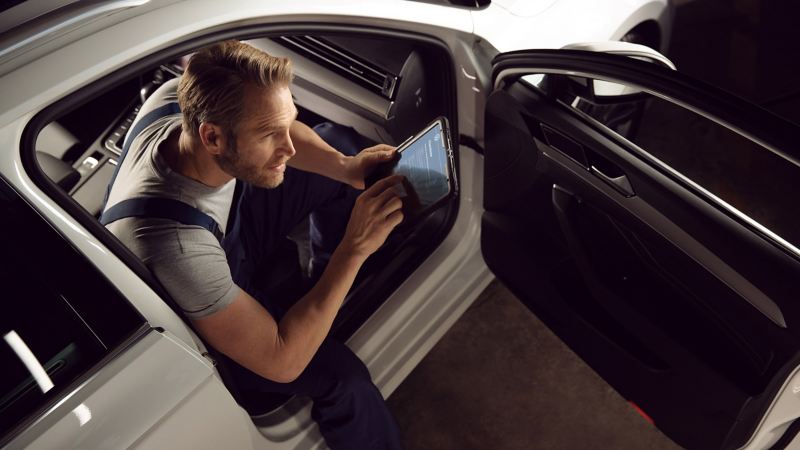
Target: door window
[[734, 169], [60, 316]]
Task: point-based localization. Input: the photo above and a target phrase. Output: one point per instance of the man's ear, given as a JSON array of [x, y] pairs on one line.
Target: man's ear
[[212, 138]]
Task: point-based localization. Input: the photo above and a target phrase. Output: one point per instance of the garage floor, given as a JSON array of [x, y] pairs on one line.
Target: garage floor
[[499, 379]]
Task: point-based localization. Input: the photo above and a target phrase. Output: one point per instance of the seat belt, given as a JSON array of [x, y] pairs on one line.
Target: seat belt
[[156, 207]]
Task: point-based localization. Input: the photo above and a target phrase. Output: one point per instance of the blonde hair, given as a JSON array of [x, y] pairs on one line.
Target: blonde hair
[[212, 86]]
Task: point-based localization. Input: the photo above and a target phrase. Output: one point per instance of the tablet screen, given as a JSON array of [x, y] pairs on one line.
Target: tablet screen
[[424, 163]]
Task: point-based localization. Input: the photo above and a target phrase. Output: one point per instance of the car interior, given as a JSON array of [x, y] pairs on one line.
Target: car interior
[[386, 88]]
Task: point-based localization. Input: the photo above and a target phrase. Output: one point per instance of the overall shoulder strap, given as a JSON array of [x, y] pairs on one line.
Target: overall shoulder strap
[[163, 208]]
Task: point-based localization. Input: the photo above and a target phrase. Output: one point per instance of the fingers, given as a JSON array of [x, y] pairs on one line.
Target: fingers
[[377, 212], [366, 162], [380, 151], [386, 196], [382, 204], [382, 185], [394, 219], [392, 207], [391, 213], [380, 148]]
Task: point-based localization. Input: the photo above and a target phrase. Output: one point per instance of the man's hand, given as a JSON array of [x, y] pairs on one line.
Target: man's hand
[[376, 213], [359, 166], [316, 156]]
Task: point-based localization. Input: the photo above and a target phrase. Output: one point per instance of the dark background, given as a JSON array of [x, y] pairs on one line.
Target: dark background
[[748, 47], [499, 379]]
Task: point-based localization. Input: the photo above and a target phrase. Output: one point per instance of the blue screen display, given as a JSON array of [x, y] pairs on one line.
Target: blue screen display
[[424, 164]]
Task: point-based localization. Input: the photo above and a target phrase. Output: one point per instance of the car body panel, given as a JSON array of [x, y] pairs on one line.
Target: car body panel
[[781, 414], [160, 381], [524, 8], [40, 27], [570, 21]]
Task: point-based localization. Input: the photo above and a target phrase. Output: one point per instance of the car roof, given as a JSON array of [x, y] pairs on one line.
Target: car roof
[[17, 13], [32, 28]]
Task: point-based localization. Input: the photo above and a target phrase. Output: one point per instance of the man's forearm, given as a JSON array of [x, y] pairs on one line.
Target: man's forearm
[[307, 323], [314, 154], [280, 351]]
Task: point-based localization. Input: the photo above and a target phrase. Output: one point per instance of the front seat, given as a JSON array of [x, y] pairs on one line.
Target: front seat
[[52, 144]]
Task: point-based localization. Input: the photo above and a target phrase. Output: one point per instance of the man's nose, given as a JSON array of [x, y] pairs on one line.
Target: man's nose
[[287, 147]]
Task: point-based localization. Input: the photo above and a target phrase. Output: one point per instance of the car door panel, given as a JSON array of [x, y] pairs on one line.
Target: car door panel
[[132, 400], [677, 303]]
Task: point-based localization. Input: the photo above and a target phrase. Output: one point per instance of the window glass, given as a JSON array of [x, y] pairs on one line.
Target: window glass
[[738, 171], [59, 317]]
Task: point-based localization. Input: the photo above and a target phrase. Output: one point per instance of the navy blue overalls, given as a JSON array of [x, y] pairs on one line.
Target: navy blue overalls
[[348, 408]]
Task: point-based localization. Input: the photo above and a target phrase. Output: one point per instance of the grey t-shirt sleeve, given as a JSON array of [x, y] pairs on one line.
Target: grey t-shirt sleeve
[[187, 260]]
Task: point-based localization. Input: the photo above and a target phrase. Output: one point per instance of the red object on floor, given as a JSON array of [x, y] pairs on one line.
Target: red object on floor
[[642, 413]]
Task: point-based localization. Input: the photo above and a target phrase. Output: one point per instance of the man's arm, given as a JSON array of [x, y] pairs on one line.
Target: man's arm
[[248, 334], [315, 155]]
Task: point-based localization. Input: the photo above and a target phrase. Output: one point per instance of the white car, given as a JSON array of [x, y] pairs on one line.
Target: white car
[[680, 297]]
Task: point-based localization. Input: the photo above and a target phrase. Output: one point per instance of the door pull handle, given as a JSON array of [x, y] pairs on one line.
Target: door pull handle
[[620, 183]]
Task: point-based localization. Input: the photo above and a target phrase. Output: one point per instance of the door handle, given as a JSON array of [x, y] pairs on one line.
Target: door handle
[[620, 183]]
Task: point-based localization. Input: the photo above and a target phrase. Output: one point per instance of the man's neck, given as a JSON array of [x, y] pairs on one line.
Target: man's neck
[[191, 160]]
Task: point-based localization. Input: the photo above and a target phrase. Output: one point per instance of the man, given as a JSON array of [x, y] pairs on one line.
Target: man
[[236, 120]]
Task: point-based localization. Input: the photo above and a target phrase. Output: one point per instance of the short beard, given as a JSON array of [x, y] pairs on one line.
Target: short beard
[[230, 161]]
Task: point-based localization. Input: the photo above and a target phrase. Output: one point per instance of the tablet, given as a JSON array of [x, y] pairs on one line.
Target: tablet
[[426, 162]]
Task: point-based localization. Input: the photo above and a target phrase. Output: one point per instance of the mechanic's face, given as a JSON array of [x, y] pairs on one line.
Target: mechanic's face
[[262, 145]]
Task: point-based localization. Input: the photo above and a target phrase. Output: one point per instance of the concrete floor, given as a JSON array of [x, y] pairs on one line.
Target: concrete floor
[[499, 379]]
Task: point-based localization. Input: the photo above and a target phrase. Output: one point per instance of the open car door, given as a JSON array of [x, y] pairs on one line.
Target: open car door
[[637, 252]]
